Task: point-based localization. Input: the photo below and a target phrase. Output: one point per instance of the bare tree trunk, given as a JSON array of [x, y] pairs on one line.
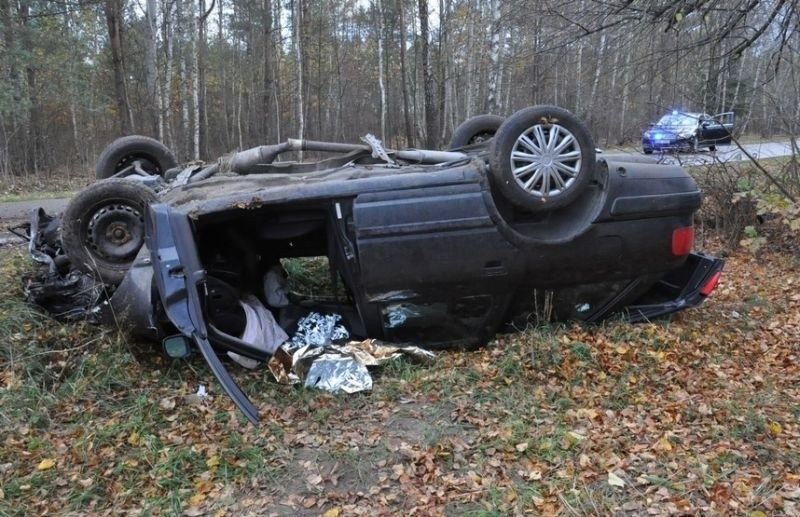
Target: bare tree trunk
[[589, 115], [166, 90], [443, 58], [113, 12], [269, 73], [470, 83], [197, 23], [625, 92], [12, 149], [495, 57], [202, 50], [298, 49], [278, 62], [404, 75], [378, 5], [431, 133], [183, 79], [151, 71], [223, 80], [735, 99], [34, 138], [239, 115]]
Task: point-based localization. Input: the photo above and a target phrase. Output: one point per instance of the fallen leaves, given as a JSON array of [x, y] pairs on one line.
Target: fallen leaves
[[615, 480], [46, 464], [697, 415]]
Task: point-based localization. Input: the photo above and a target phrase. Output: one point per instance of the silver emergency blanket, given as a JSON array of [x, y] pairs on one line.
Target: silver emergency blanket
[[319, 330], [339, 367]]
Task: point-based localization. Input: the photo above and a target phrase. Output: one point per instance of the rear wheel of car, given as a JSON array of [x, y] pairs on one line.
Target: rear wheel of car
[[152, 156], [102, 227], [712, 148], [475, 130], [542, 158]]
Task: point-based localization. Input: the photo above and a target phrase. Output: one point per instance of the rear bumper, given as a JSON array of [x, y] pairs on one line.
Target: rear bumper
[[687, 286]]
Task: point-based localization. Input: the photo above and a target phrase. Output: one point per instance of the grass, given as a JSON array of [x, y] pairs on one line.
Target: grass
[[28, 188], [691, 413]]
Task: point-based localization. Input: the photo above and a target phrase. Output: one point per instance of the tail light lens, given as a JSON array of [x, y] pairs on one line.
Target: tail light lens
[[682, 241], [710, 284]]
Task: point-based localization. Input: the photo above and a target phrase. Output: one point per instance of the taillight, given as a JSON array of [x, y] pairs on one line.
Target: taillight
[[710, 284], [682, 241]]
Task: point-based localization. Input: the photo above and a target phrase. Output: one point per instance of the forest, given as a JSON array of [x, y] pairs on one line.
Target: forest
[[210, 76]]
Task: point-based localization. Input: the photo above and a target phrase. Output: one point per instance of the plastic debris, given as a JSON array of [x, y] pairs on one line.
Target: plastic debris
[[66, 294]]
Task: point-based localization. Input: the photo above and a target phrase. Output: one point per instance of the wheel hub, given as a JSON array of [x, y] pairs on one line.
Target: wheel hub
[[546, 160], [116, 232]]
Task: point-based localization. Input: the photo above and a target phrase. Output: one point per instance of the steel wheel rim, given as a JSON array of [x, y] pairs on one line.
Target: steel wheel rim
[[115, 232], [546, 160]]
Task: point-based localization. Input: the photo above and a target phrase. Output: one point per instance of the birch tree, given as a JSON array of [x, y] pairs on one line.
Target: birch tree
[[151, 78], [113, 12]]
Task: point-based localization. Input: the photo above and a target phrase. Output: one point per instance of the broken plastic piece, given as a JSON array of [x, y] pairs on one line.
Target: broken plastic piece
[[378, 150]]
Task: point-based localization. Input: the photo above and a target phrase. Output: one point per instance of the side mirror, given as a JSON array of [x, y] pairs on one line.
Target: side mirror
[[177, 347], [705, 124]]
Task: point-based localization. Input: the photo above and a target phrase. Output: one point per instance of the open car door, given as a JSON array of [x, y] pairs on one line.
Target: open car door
[[718, 128]]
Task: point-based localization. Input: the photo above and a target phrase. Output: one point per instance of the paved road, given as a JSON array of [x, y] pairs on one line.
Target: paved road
[[22, 209], [728, 153]]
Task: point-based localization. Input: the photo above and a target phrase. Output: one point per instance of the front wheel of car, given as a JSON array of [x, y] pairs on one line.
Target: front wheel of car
[[102, 227], [647, 151], [542, 158]]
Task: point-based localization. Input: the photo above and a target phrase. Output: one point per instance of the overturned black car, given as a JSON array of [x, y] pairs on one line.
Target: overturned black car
[[432, 247]]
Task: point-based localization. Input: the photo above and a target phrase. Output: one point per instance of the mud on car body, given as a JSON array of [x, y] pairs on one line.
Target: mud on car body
[[436, 247]]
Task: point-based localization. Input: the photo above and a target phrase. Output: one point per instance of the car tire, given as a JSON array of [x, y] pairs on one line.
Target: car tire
[[647, 151], [712, 148], [102, 228], [475, 130], [155, 157], [569, 163]]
